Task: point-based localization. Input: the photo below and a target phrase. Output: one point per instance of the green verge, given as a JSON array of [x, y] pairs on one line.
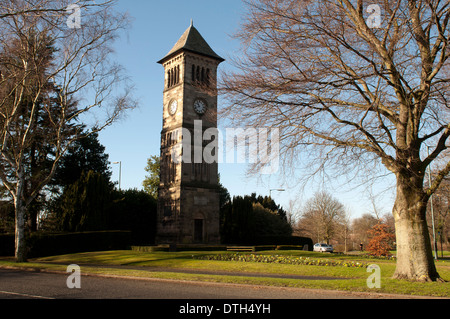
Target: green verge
[[164, 265]]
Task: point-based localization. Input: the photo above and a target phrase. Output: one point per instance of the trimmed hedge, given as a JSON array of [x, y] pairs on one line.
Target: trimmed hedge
[[280, 241], [7, 244], [51, 244], [170, 248]]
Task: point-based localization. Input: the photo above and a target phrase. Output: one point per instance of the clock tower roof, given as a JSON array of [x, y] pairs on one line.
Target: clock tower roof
[[192, 41]]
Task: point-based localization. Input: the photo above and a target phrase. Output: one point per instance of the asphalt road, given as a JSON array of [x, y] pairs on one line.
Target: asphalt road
[[31, 293], [35, 285]]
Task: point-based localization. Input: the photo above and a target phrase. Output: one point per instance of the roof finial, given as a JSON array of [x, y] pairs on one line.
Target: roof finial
[[192, 22]]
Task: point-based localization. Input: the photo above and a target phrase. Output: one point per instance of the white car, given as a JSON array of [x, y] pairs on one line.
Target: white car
[[323, 248]]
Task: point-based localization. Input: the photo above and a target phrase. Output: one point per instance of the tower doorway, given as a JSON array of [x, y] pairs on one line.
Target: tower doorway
[[198, 230]]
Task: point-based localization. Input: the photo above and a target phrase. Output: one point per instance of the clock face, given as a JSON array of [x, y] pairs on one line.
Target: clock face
[[173, 107], [200, 107]]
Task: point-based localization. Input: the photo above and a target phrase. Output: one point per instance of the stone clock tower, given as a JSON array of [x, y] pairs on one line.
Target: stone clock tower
[[188, 200]]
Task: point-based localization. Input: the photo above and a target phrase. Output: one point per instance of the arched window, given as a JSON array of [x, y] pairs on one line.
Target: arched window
[[166, 164], [208, 80], [204, 170], [169, 79], [200, 74], [173, 170], [174, 76], [175, 79], [198, 171]]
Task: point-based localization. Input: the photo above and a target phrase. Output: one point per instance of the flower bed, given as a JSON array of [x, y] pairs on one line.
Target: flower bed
[[281, 260]]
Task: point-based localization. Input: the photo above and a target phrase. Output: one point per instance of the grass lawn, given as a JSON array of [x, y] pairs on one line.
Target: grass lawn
[[347, 278]]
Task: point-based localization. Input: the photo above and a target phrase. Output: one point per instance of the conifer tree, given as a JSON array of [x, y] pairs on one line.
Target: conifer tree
[[84, 205]]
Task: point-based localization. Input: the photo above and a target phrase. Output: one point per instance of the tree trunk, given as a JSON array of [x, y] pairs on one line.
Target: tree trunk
[[20, 246], [19, 206], [414, 254]]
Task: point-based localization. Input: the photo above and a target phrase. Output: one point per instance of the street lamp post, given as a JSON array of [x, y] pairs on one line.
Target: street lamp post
[[432, 209], [120, 172]]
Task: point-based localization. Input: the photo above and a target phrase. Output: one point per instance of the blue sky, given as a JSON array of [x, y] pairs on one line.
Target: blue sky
[[157, 26]]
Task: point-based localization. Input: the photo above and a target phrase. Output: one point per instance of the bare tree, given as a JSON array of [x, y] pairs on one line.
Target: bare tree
[[361, 226], [349, 93], [10, 8], [344, 230], [441, 214], [57, 71], [322, 216]]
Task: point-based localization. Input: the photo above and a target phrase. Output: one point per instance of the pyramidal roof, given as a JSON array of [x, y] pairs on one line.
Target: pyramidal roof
[[192, 41]]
